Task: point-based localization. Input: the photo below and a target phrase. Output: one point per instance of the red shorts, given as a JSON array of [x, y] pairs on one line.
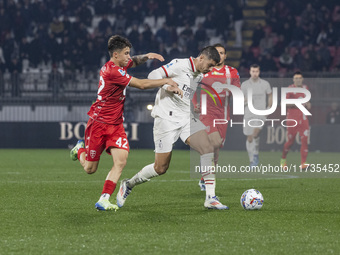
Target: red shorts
[[208, 121], [302, 127], [100, 136]]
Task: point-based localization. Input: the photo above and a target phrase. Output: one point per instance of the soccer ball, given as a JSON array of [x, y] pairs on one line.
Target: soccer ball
[[252, 199]]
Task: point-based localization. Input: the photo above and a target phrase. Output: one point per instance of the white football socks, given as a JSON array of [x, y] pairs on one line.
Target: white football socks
[[256, 145], [142, 176], [207, 162], [250, 149]]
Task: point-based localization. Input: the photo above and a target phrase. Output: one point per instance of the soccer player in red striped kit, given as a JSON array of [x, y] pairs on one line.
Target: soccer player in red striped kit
[[104, 130], [220, 74], [302, 122]]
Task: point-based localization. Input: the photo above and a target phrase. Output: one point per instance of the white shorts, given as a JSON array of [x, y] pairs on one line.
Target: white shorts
[[166, 132], [251, 123]]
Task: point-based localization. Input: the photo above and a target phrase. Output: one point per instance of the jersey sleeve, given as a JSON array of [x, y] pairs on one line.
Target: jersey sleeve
[[235, 78], [120, 77], [129, 65], [170, 69]]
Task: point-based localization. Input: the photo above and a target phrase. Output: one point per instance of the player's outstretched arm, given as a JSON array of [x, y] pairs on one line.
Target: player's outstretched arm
[[149, 84], [141, 59]]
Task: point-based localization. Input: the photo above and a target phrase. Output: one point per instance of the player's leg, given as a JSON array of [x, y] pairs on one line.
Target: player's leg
[[250, 144], [291, 133], [119, 157], [304, 135], [89, 156], [255, 146], [199, 141], [165, 134], [162, 162], [216, 141]]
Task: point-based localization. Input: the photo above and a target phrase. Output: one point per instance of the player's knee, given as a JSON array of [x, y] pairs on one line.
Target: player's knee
[[217, 144], [250, 138], [208, 148], [161, 168], [120, 163], [91, 169]]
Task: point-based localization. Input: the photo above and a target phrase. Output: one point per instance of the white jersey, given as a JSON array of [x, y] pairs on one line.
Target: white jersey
[[260, 89], [170, 106]]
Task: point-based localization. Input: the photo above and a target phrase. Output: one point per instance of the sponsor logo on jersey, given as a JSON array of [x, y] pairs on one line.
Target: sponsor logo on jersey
[[122, 72], [168, 65], [216, 73]]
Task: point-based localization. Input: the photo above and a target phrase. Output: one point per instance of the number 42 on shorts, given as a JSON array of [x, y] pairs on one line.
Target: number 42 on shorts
[[122, 142]]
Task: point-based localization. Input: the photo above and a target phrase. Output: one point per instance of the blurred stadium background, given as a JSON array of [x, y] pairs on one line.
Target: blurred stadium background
[[51, 52]]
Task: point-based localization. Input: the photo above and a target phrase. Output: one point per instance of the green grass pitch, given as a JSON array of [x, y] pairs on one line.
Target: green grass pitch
[[47, 207]]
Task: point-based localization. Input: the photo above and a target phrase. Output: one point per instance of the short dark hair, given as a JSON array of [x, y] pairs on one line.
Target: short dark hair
[[117, 43], [255, 66], [219, 45], [297, 73], [211, 53]]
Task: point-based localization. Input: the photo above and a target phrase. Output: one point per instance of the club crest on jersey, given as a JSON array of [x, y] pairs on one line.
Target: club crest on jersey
[[122, 72], [92, 153]]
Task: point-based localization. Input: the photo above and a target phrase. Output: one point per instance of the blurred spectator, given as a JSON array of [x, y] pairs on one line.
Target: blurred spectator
[[188, 16], [333, 116], [162, 34], [325, 54], [85, 14], [308, 63], [318, 64], [258, 34], [57, 27], [267, 63], [103, 24], [266, 44], [147, 33], [200, 34], [332, 35], [171, 17], [286, 60], [238, 21], [120, 23], [310, 34], [298, 35], [323, 15], [247, 58], [91, 59], [2, 70], [280, 46], [15, 69], [306, 15], [55, 82], [322, 36], [134, 34], [287, 32]]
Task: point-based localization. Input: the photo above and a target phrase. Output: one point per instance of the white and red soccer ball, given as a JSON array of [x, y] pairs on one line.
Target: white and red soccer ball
[[252, 199]]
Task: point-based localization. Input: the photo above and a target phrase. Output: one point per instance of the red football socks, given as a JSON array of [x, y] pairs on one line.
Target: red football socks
[[109, 187]]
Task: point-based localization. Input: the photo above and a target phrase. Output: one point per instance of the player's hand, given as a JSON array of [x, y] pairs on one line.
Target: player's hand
[[154, 56], [175, 90], [197, 108]]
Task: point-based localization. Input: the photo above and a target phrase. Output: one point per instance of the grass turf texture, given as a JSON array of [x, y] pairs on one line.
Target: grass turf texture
[[47, 207]]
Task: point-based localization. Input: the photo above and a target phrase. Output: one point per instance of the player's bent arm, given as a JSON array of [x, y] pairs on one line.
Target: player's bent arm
[[141, 59]]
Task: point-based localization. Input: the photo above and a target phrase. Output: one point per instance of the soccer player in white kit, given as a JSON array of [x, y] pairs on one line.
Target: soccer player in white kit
[[261, 91], [173, 120]]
